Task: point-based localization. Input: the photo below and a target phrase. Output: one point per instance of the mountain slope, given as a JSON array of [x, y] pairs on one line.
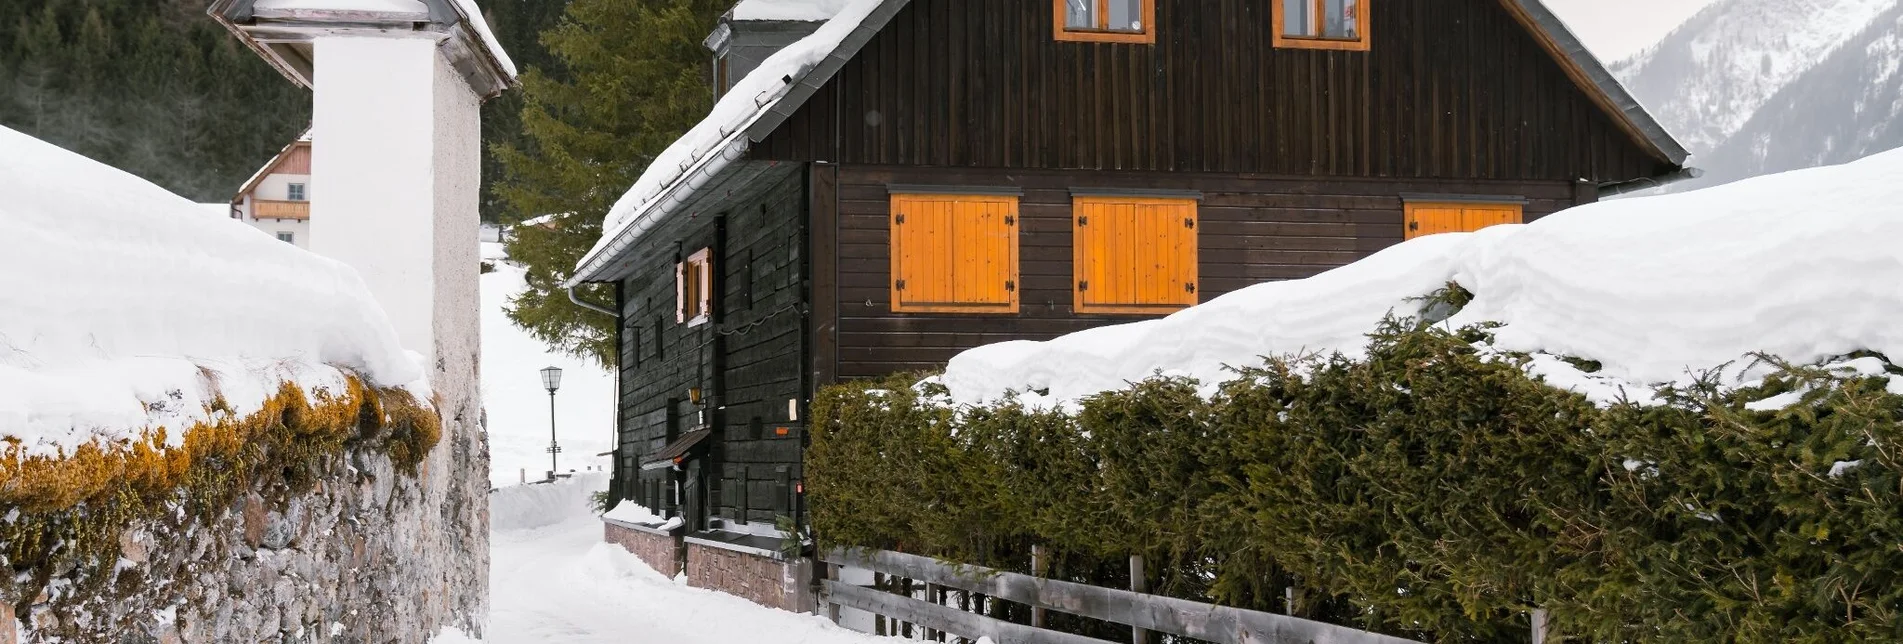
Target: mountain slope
[[1846, 107], [1707, 78]]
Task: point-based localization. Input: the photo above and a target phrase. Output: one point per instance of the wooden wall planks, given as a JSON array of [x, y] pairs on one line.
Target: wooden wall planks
[[1451, 89]]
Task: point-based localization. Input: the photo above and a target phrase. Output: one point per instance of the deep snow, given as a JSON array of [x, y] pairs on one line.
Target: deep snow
[[1803, 265], [124, 307], [552, 579], [518, 406]]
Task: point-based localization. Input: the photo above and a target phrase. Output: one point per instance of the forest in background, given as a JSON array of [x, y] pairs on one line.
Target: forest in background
[[156, 88]]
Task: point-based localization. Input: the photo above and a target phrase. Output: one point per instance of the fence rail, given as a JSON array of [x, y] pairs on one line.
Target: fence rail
[[1219, 624]]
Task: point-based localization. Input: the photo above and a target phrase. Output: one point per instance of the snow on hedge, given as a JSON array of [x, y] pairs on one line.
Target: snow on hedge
[[121, 302], [1804, 265]]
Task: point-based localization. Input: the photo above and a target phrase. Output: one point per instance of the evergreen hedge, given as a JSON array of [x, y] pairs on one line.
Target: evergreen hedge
[[1428, 489]]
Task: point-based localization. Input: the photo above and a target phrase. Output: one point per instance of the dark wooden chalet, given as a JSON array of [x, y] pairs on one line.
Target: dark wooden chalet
[[962, 172]]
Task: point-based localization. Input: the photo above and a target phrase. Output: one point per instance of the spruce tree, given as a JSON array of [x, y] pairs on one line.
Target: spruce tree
[[634, 77]]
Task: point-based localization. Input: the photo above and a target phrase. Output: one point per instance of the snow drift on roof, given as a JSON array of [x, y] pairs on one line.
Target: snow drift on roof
[[749, 100], [788, 10], [1804, 265], [119, 300]]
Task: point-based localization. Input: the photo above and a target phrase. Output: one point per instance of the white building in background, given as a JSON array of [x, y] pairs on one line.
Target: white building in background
[[277, 200]]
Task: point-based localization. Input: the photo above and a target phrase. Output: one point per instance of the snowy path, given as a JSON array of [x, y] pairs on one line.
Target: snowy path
[[559, 583]]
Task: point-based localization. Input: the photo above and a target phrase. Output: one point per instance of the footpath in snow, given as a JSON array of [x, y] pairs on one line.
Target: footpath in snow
[[552, 579]]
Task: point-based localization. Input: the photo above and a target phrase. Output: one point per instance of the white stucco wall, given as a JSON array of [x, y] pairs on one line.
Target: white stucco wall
[[372, 100], [277, 187]]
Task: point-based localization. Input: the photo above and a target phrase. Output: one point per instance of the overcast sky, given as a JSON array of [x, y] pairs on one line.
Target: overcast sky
[[1615, 29]]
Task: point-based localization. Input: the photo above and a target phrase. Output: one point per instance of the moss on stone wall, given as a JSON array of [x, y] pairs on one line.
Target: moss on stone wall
[[63, 515]]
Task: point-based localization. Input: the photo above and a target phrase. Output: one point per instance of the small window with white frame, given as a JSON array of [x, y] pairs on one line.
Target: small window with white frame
[[694, 288], [295, 192], [287, 237]]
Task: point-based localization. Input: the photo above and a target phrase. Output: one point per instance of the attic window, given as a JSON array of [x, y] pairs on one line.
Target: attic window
[[1322, 24], [1120, 21]]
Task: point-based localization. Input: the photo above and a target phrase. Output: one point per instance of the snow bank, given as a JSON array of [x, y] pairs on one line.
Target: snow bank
[[788, 10], [525, 507], [749, 100], [1804, 265], [123, 307]]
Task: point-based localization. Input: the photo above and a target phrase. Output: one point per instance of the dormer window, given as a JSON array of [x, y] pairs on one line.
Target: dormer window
[[1123, 21], [1321, 24]]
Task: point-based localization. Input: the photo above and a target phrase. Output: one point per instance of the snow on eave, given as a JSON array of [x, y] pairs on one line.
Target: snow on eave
[[731, 128], [785, 10], [1592, 76], [281, 29]]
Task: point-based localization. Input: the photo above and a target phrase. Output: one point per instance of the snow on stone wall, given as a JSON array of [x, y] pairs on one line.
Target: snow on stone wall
[[123, 307]]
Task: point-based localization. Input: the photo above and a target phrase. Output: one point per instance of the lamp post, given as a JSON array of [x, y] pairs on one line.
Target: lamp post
[[552, 379]]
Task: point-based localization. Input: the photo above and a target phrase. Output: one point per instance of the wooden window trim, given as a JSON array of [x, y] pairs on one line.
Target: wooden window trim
[[1410, 220], [1362, 43], [1079, 306], [1065, 34], [699, 268], [955, 196]]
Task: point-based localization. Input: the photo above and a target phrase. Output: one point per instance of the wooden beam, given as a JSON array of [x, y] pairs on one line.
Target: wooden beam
[[1219, 624], [943, 618]]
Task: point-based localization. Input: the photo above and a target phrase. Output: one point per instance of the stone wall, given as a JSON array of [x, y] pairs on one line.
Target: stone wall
[[763, 580], [660, 552], [368, 555]]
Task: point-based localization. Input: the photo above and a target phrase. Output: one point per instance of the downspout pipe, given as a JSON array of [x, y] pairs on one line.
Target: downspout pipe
[[576, 298], [1647, 183]]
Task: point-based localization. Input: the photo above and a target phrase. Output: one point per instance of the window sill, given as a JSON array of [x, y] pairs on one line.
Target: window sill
[[1286, 42], [1145, 38]]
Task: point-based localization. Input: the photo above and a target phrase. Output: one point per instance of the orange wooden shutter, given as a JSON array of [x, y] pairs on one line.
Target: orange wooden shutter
[[954, 253], [1435, 218], [1135, 255]]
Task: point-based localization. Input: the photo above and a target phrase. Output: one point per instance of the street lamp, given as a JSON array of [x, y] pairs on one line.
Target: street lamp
[[552, 379]]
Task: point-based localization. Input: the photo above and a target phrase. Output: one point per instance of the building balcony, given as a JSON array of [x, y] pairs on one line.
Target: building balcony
[[299, 210]]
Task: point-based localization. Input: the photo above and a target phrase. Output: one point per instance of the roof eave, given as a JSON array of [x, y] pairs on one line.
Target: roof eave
[[1592, 74], [276, 35]]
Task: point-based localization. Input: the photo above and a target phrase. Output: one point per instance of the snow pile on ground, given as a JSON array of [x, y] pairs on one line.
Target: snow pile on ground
[[1804, 265], [552, 579], [515, 400], [788, 10], [749, 100], [123, 307]]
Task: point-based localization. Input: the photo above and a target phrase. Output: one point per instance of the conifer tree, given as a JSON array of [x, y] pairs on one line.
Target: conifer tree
[[634, 77]]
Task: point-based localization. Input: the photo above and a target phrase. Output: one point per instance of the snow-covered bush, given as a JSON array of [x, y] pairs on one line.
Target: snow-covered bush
[[1425, 486]]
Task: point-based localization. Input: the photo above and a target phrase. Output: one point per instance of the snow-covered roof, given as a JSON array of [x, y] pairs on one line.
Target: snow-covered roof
[[284, 28], [1802, 265], [127, 308], [786, 10], [770, 94], [789, 74]]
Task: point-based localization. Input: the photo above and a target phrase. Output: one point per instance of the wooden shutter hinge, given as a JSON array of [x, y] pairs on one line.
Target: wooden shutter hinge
[[899, 219], [1413, 225], [1083, 286], [1191, 287], [1083, 221], [1189, 223], [1010, 220], [1010, 286], [901, 285]]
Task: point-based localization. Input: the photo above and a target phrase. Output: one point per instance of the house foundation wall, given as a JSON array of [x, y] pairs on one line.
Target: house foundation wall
[[763, 580], [659, 551]]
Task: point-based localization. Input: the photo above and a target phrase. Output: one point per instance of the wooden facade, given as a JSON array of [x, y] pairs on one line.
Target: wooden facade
[[1261, 163]]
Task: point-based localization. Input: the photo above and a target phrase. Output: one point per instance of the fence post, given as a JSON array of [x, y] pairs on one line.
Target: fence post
[[1539, 626], [832, 609], [1040, 561], [1139, 583]]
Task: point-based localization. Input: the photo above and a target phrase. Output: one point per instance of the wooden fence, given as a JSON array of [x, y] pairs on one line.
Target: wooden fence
[[1140, 611]]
